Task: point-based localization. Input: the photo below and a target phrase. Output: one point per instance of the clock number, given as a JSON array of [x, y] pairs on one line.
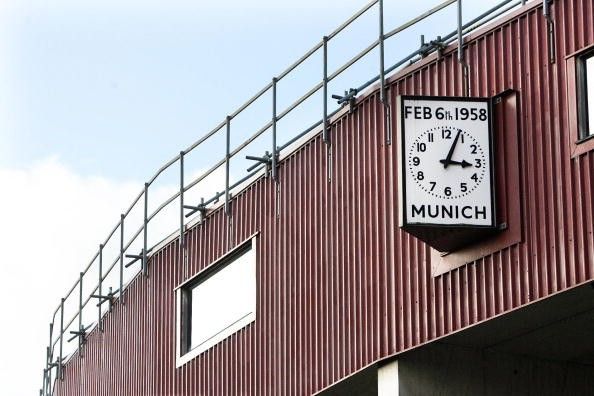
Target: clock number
[[473, 147], [420, 175], [478, 162], [463, 114], [447, 191], [440, 113], [433, 184], [430, 137], [421, 147], [416, 161], [474, 177], [483, 115], [446, 134], [463, 187], [473, 114], [462, 137]]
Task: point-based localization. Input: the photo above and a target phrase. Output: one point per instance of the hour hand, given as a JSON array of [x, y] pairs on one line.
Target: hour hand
[[463, 164]]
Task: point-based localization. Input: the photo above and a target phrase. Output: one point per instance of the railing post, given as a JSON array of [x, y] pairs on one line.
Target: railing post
[[325, 131], [60, 368], [181, 212], [203, 212], [381, 51], [274, 120], [546, 10], [122, 216], [459, 13], [80, 309], [145, 236], [46, 372], [100, 287], [383, 100], [50, 358], [227, 158], [325, 136], [461, 61]]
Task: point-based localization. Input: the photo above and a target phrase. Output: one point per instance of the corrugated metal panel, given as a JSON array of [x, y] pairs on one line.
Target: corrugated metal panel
[[339, 285]]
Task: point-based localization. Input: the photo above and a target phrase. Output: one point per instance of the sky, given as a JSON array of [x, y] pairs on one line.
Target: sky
[[95, 96]]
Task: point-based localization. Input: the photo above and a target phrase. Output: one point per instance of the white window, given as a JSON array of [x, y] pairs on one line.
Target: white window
[[590, 93], [585, 72], [217, 302]]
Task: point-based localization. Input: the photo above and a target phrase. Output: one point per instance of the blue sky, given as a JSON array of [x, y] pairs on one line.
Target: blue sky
[[96, 95], [117, 88]]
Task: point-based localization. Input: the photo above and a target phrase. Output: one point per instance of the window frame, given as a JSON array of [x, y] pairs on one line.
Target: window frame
[[577, 112], [585, 131], [183, 300]]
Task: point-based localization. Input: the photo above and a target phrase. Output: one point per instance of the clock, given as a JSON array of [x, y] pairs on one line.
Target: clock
[[447, 178], [445, 166]]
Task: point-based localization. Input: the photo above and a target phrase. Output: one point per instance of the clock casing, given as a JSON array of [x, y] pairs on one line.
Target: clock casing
[[446, 169]]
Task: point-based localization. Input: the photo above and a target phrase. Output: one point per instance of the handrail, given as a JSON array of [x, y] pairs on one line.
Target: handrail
[[353, 60], [352, 19], [225, 126], [468, 27], [303, 98], [424, 15]]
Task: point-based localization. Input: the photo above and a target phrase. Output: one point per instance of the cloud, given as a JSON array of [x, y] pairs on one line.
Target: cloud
[[52, 220], [51, 223]]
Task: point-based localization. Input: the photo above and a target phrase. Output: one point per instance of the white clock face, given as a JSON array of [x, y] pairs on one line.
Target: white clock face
[[452, 178], [445, 162]]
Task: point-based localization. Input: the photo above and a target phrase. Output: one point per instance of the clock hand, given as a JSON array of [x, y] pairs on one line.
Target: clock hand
[[448, 159], [463, 164]]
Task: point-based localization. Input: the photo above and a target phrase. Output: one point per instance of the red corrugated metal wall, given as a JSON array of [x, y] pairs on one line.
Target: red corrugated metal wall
[[339, 285]]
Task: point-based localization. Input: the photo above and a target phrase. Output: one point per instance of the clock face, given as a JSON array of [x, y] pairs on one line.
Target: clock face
[[444, 178], [446, 162]]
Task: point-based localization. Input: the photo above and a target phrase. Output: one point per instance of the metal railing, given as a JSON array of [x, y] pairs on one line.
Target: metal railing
[[54, 365]]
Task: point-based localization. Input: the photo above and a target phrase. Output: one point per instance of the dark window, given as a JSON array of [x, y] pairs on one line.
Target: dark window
[[585, 76]]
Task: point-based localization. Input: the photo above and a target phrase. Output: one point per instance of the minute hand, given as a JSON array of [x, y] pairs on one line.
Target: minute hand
[[448, 159]]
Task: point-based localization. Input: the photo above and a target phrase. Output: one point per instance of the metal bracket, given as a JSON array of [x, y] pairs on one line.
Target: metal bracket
[[51, 366], [109, 297], [349, 97], [82, 332], [199, 208], [135, 257], [77, 334], [426, 48], [440, 45], [266, 159]]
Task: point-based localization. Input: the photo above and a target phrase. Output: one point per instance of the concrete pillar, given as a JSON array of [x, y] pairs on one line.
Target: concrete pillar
[[388, 379]]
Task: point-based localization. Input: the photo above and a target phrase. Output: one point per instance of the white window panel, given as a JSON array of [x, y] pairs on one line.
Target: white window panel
[[223, 301], [590, 93]]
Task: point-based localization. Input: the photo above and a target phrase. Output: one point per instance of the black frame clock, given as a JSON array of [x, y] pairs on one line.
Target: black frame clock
[[446, 169]]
